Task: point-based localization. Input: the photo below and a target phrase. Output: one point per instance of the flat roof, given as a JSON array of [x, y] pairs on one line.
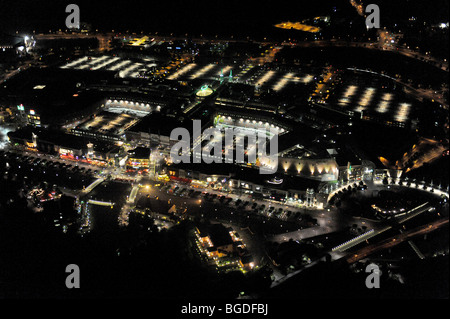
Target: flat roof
[[157, 123], [140, 152], [53, 93], [61, 139], [251, 175], [108, 123], [219, 235]]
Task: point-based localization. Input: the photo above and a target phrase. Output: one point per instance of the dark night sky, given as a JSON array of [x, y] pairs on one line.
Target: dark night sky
[[192, 16], [172, 16]]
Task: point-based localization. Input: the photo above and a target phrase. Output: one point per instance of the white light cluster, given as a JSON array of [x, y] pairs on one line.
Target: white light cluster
[[283, 81], [182, 71], [347, 95], [265, 78], [384, 104], [402, 112], [365, 99], [203, 71], [126, 68]]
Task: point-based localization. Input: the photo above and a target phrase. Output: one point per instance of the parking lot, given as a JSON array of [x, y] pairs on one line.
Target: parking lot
[[44, 168], [243, 204], [124, 67]]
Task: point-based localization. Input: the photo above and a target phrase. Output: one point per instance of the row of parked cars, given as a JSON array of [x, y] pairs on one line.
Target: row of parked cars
[[45, 163], [255, 207], [71, 167]]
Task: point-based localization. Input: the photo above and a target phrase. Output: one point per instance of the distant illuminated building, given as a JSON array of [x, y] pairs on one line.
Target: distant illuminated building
[[297, 26], [223, 247], [230, 76], [90, 150], [310, 197], [21, 45], [28, 116]]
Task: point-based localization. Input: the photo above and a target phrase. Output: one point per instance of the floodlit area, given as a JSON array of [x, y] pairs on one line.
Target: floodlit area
[[225, 71], [250, 74], [278, 80], [307, 78], [139, 41], [123, 73], [182, 71], [402, 112], [126, 68], [265, 78], [119, 65], [348, 94], [204, 91], [360, 99], [203, 71], [104, 64], [108, 123], [138, 109], [92, 62], [247, 125], [283, 81], [384, 104], [365, 99], [193, 71], [75, 63], [243, 130], [240, 138]]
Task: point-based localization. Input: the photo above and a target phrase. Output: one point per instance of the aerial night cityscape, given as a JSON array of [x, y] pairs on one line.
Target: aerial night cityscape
[[252, 152]]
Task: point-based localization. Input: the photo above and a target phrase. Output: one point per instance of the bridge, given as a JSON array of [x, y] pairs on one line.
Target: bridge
[[395, 240], [92, 186], [416, 249], [100, 203], [372, 233], [134, 191], [433, 189]]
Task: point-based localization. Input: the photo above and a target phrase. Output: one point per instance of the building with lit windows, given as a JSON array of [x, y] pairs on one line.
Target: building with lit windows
[[223, 248], [28, 116], [139, 158], [12, 46], [65, 146]]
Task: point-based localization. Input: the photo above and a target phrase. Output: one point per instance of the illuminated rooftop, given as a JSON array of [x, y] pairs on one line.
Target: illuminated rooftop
[[204, 91], [297, 26]]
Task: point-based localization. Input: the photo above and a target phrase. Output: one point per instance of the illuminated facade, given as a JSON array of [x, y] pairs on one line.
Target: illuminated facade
[[139, 158], [204, 91], [65, 146], [28, 116], [297, 26]]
